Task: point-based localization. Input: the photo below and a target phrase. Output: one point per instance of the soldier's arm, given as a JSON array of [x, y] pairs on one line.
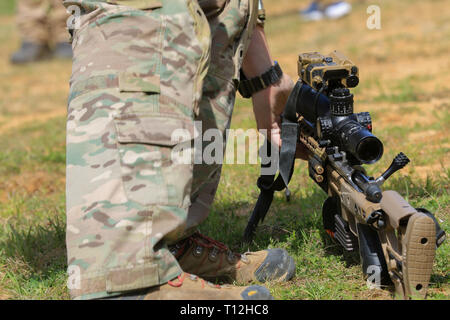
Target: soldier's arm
[[268, 104]]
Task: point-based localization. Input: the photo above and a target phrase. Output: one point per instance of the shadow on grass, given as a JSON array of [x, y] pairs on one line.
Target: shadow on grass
[[334, 249], [300, 215]]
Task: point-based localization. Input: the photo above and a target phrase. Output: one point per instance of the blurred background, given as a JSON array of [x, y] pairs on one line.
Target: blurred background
[[402, 50]]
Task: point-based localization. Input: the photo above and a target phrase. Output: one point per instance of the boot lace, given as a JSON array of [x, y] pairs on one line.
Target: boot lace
[[202, 241]]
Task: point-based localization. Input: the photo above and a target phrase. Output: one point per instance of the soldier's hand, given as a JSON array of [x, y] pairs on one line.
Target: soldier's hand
[[280, 93], [274, 98], [268, 104]]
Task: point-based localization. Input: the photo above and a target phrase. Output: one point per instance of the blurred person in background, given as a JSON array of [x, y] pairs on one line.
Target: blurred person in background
[[43, 31], [321, 9]]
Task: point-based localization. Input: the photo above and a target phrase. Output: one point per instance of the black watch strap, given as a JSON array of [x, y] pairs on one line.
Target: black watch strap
[[247, 87]]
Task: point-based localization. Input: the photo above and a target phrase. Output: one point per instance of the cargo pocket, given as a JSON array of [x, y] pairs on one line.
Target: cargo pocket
[[138, 4], [156, 158]]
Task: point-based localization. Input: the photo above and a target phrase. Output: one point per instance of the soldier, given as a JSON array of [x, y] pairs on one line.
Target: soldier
[[42, 26], [141, 70]]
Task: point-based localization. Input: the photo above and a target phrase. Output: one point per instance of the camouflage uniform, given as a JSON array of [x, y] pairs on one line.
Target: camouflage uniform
[[142, 69], [42, 21]]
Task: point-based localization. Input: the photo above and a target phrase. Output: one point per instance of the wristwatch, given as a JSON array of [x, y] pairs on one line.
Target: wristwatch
[[247, 87]]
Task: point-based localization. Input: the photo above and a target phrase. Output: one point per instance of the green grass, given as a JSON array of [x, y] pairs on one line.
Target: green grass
[[39, 147], [403, 91], [33, 257], [7, 7]]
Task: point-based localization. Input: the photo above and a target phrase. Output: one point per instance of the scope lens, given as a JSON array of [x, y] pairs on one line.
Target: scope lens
[[369, 150], [360, 142]]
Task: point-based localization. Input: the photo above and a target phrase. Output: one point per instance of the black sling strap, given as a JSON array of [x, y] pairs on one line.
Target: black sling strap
[[267, 184]]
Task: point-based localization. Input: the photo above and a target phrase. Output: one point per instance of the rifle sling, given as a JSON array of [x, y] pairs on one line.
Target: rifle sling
[[267, 184]]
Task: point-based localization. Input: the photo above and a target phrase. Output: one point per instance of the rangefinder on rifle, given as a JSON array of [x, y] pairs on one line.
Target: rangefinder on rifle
[[396, 242]]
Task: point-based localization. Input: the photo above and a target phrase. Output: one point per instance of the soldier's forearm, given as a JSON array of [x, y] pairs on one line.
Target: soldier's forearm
[[268, 103]]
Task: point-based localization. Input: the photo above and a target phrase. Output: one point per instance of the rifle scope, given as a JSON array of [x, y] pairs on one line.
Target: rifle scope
[[336, 125]]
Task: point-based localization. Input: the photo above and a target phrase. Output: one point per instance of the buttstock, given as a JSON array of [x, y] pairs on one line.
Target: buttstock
[[410, 242]]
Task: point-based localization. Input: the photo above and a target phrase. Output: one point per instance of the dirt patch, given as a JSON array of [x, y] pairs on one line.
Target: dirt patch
[[3, 294], [431, 170], [17, 122], [405, 120], [407, 115], [30, 183], [427, 135]]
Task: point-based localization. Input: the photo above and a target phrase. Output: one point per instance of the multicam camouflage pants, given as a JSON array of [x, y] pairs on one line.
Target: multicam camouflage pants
[[42, 21], [142, 69]]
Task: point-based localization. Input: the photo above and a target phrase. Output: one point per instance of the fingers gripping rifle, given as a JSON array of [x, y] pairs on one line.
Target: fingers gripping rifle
[[396, 242]]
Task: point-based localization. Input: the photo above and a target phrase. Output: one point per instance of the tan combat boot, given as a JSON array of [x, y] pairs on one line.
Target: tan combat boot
[[211, 259], [190, 287]]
